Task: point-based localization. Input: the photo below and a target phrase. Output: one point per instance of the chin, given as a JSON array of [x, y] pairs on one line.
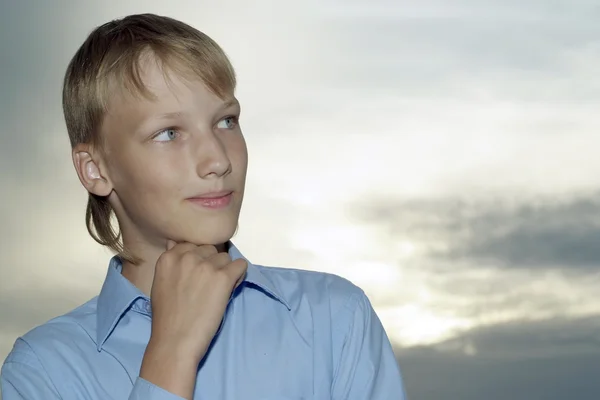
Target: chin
[[213, 228], [212, 235]]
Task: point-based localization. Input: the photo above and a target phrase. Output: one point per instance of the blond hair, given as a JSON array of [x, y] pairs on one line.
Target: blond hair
[[108, 64]]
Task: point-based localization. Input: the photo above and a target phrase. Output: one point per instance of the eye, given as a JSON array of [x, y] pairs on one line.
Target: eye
[[165, 136], [228, 123]]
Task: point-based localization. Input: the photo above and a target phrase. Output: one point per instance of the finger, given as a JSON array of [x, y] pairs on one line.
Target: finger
[[219, 260], [237, 271], [207, 251], [240, 280], [180, 248]]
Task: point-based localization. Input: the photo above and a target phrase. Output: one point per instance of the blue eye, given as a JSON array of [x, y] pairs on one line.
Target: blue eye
[[166, 135], [227, 123]]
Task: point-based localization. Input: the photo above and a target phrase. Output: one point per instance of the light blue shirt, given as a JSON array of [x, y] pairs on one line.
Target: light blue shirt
[[287, 335]]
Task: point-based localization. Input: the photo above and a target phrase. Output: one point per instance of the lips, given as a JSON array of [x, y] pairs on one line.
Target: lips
[[214, 200]]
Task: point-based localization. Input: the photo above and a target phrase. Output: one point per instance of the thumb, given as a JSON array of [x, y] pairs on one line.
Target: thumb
[[243, 268]]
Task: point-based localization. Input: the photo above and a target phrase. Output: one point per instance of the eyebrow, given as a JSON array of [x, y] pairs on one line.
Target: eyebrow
[[230, 103], [177, 114], [170, 115]]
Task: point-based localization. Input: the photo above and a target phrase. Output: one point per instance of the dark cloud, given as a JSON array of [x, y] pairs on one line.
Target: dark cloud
[[550, 360], [553, 234]]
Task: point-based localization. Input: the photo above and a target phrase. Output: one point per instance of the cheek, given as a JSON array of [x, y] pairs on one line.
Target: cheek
[[141, 181]]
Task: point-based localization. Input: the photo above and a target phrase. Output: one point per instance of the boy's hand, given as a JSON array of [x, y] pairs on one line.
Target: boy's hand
[[191, 289]]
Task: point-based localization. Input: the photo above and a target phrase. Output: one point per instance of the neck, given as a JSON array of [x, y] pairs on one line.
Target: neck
[[141, 275]]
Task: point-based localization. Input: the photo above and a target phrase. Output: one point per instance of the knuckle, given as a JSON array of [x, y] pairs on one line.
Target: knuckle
[[206, 251], [211, 249], [165, 256], [225, 258], [240, 264], [163, 259], [189, 259]]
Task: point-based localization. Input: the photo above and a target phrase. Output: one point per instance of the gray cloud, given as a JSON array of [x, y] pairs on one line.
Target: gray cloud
[[525, 51], [532, 245], [543, 234], [550, 360]]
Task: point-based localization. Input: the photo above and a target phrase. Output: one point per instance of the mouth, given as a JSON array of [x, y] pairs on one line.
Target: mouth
[[213, 201]]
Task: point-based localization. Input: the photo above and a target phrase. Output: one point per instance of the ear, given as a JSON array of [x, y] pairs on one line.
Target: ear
[[90, 171]]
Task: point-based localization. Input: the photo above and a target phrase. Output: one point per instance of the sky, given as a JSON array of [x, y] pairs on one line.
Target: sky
[[441, 155]]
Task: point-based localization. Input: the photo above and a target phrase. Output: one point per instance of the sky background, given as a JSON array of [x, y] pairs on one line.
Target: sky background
[[439, 154]]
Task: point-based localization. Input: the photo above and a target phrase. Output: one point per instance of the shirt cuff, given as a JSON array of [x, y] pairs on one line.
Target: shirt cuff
[[144, 390]]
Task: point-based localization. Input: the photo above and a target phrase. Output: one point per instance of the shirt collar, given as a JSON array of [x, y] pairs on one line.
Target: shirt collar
[[118, 294], [255, 276]]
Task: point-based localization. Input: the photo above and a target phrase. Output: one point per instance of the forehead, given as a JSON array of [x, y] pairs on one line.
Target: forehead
[[159, 84], [161, 90]]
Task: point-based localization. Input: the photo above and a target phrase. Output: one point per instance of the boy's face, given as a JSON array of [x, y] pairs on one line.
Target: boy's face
[[164, 157]]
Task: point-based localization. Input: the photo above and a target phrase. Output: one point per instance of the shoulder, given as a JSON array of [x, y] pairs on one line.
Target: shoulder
[[55, 359], [319, 289], [57, 337]]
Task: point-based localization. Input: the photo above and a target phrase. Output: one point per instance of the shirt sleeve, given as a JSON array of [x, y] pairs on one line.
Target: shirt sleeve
[[144, 390], [367, 368], [23, 377]]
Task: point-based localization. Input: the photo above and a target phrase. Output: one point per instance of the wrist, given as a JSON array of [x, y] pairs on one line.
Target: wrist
[[170, 367], [172, 352]]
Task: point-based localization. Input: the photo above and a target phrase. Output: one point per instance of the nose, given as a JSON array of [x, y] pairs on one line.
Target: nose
[[213, 160]]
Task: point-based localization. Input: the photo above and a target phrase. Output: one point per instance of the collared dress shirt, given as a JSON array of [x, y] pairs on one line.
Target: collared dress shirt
[[286, 335]]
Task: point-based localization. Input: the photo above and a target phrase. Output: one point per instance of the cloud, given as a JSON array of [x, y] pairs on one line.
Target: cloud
[[521, 234], [535, 51], [551, 360], [463, 263], [552, 237]]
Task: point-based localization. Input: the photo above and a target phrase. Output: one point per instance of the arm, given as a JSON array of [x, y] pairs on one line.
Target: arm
[[185, 275], [367, 368], [23, 377]]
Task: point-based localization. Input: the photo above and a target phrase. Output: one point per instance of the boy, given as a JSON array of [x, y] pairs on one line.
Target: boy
[[153, 122]]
